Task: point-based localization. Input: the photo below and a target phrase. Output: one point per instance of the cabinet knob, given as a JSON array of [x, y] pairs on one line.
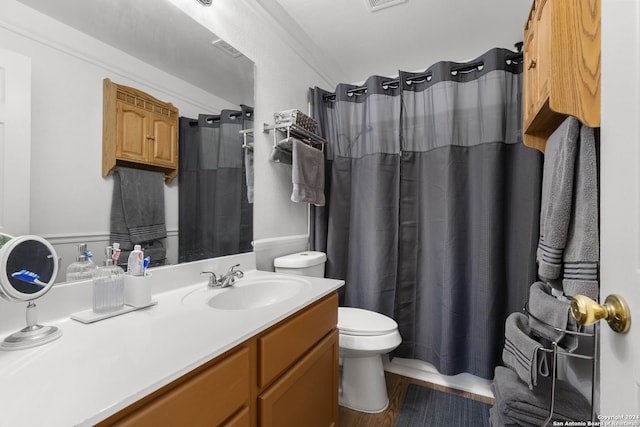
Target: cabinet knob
[[532, 64], [151, 137]]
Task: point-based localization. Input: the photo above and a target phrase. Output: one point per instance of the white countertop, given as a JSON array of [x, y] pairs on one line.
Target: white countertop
[[95, 370]]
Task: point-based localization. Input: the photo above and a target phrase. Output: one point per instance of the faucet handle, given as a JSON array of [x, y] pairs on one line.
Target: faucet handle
[[212, 277], [231, 269]]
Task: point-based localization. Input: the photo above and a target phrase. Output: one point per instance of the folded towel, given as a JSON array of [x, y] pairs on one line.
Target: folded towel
[[155, 250], [497, 419], [554, 313], [582, 253], [282, 151], [521, 351], [525, 407], [137, 207], [557, 194], [307, 174]]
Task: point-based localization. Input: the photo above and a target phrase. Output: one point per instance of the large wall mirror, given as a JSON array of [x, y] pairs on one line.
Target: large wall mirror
[[70, 199]]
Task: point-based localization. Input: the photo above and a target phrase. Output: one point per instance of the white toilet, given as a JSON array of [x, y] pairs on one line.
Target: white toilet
[[364, 337]]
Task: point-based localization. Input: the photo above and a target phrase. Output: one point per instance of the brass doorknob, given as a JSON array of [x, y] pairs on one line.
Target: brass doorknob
[[615, 311]]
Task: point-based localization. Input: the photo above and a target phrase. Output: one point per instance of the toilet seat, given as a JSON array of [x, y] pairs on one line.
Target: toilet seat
[[359, 322]]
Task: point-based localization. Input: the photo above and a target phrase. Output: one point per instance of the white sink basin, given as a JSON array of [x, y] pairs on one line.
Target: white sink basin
[[251, 293]]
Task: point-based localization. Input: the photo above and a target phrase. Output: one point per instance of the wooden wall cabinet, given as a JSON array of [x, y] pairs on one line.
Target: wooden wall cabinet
[[286, 375], [139, 131], [561, 67]]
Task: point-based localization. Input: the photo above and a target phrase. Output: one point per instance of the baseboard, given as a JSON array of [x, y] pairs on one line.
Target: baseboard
[[424, 371]]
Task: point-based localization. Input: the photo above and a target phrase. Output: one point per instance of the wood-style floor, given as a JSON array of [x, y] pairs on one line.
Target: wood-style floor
[[397, 388]]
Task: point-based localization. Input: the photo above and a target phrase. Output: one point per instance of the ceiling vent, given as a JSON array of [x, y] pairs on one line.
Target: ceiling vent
[[382, 4], [205, 2], [226, 47]]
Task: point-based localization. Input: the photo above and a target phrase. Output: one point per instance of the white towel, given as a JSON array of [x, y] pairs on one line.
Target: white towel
[[307, 174]]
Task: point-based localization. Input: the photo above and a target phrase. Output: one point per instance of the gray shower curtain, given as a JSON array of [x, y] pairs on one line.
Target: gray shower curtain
[[448, 249], [214, 215]]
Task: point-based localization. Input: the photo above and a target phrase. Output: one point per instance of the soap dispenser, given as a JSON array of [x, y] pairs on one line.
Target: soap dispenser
[[83, 268], [108, 285]]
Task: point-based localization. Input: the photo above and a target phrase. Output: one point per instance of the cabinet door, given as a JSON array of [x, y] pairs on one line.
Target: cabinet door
[[132, 133], [219, 394], [307, 395], [529, 76], [543, 51], [163, 141]]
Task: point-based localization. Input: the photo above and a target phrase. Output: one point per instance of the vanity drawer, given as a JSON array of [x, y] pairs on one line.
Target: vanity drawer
[[211, 396], [283, 345]]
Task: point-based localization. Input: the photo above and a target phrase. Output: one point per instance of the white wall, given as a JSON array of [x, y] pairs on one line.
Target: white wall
[[70, 200]]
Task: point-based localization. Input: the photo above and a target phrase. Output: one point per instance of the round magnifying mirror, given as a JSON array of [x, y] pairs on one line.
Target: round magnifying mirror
[[28, 268]]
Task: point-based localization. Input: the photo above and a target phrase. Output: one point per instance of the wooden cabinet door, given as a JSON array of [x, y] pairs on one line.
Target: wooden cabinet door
[[132, 133], [530, 90], [218, 394], [163, 133], [307, 394], [543, 52]]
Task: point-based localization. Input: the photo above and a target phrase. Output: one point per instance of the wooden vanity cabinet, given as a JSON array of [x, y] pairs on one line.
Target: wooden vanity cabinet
[[561, 67], [284, 376], [138, 131]]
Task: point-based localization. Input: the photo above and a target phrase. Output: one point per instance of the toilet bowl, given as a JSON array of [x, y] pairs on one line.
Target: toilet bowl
[[364, 336]]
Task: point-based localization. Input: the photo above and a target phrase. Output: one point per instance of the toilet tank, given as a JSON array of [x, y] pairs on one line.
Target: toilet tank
[[308, 263]]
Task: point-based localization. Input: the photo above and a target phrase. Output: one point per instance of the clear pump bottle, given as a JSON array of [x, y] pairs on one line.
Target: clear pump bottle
[[83, 268], [108, 286]]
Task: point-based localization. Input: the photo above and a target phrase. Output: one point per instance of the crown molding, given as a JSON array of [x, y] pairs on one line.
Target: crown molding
[[294, 36]]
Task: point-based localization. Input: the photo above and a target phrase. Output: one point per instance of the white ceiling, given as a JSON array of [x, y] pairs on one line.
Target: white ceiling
[[410, 36], [167, 38]]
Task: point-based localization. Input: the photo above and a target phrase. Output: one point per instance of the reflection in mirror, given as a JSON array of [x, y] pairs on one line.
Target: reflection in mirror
[[216, 185], [159, 34]]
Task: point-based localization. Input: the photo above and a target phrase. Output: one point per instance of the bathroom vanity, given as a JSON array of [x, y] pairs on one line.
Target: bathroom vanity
[[287, 375], [201, 356]]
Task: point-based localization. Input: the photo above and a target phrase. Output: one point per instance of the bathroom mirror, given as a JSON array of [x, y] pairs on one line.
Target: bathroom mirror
[[68, 208]]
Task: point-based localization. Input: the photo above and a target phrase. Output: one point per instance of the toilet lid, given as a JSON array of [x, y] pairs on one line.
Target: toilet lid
[[356, 321]]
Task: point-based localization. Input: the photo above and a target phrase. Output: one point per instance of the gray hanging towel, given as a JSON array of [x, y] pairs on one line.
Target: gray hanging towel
[[554, 313], [137, 207], [557, 194], [282, 151], [520, 351], [582, 253], [307, 174]]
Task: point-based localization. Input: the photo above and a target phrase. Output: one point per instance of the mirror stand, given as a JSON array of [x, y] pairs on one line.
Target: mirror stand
[[32, 335]]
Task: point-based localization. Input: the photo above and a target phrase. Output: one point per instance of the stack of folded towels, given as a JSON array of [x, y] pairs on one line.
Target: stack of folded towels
[[522, 388]]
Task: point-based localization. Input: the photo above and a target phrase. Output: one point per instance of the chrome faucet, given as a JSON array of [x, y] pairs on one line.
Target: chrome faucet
[[227, 279]]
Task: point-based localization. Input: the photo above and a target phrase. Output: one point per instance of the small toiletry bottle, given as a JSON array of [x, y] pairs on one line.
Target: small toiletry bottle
[[116, 252], [83, 268], [135, 264], [108, 286]]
